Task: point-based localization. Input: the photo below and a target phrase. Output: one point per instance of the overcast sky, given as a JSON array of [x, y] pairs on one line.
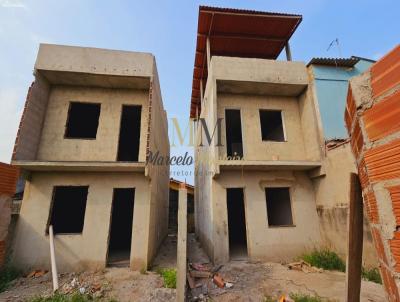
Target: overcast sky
[[167, 28]]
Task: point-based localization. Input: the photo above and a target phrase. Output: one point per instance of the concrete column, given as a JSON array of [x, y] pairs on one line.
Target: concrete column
[[288, 51], [354, 241], [208, 53], [182, 244]]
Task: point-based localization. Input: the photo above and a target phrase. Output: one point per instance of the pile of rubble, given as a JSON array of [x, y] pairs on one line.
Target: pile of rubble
[[203, 280]]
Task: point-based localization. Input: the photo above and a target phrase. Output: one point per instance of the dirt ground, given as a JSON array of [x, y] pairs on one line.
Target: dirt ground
[[120, 284], [255, 281], [251, 281]]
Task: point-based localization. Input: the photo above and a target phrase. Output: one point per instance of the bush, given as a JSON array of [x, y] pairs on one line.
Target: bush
[[305, 298], [76, 297], [371, 275], [325, 259], [169, 277], [7, 274]]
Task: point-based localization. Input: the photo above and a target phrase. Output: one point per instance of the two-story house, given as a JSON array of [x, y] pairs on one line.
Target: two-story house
[[254, 192], [90, 117]]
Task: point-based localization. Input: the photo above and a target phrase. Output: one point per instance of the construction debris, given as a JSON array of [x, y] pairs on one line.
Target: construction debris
[[37, 273], [304, 267]]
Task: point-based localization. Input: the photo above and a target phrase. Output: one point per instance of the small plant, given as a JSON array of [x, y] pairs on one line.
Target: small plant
[[325, 259], [371, 274], [305, 298], [76, 297], [169, 276], [7, 274], [269, 299]]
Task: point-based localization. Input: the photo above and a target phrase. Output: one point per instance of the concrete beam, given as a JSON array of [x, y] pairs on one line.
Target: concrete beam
[[85, 166]]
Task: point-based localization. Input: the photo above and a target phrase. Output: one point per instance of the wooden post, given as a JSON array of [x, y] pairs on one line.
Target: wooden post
[[208, 53], [182, 244], [354, 241], [53, 260], [288, 51]]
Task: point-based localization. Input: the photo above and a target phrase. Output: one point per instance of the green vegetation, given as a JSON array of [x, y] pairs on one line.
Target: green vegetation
[[371, 274], [7, 274], [76, 297], [169, 276], [269, 299], [305, 298], [325, 259]]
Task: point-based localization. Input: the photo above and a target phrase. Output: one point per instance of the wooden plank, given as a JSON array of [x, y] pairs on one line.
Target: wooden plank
[[354, 241]]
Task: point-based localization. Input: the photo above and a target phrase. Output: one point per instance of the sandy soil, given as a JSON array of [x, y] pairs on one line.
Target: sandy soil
[[251, 281], [255, 281]]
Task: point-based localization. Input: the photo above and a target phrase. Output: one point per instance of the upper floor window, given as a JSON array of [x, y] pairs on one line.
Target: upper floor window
[[272, 125], [83, 120]]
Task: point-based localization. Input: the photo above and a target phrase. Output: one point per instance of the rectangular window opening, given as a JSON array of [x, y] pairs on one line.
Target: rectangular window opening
[[129, 136], [272, 125], [234, 143], [279, 209], [83, 120], [67, 213]]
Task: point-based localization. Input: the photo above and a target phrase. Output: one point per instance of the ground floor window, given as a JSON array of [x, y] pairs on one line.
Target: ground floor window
[[279, 208], [67, 213]]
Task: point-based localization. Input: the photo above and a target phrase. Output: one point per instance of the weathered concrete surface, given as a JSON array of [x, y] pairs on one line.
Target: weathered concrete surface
[[54, 147], [112, 78], [259, 76], [78, 251], [251, 85], [332, 193], [265, 242], [5, 219]]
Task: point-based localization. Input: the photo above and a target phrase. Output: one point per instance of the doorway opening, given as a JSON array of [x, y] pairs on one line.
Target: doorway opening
[[234, 143], [129, 135], [236, 223], [119, 245]]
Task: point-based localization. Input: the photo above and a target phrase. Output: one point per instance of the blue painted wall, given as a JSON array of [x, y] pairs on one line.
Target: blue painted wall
[[331, 86]]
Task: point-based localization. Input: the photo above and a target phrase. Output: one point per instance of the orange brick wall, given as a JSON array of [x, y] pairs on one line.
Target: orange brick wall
[[8, 182], [372, 119]]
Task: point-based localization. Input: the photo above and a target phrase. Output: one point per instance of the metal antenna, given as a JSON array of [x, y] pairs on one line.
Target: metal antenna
[[336, 41]]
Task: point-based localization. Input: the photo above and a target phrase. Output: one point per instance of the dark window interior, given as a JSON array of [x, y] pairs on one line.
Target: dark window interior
[[129, 136], [121, 226], [279, 209], [234, 143], [271, 125], [68, 209], [83, 120], [236, 222]]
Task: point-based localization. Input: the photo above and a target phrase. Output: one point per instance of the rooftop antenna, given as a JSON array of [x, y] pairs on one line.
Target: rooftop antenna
[[336, 41]]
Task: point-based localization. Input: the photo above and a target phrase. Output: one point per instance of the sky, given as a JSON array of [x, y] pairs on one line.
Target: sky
[[167, 28]]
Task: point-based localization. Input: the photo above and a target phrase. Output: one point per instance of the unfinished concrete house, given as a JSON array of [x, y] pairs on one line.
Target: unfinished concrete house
[[254, 192], [90, 117]]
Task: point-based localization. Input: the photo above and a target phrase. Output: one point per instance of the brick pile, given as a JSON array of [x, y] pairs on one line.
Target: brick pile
[[372, 119]]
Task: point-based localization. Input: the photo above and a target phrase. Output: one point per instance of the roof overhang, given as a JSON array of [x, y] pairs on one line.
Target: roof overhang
[[238, 33]]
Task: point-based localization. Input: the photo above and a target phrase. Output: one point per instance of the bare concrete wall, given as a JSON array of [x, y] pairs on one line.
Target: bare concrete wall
[[158, 174], [265, 242], [78, 251], [332, 195], [54, 147], [254, 148]]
